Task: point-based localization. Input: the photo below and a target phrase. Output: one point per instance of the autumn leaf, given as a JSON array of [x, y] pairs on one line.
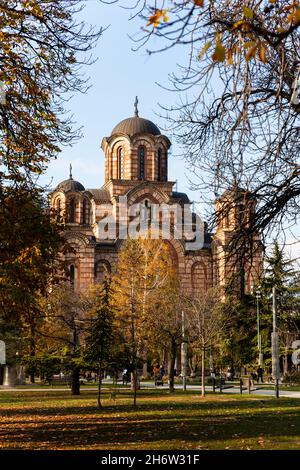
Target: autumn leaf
[[248, 13], [242, 25], [220, 53], [230, 57], [205, 49], [157, 17], [199, 3], [262, 54], [249, 44], [250, 54]]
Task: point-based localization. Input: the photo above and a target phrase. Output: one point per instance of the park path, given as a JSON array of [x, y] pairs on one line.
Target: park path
[[149, 385]]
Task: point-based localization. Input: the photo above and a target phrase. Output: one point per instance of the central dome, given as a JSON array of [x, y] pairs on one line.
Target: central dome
[[136, 125]]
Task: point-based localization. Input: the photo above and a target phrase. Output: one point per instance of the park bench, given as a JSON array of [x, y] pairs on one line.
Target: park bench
[[58, 380], [246, 383]]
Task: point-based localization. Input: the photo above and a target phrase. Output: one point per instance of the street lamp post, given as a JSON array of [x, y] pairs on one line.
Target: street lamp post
[[275, 346], [260, 354], [257, 293], [183, 353]]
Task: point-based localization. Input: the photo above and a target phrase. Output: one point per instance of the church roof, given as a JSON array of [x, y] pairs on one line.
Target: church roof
[[136, 125], [182, 196], [233, 192], [100, 195], [70, 184]]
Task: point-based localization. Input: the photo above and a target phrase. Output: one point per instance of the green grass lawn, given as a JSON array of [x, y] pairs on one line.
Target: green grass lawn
[[55, 420]]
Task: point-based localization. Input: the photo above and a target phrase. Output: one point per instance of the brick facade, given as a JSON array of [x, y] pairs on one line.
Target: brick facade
[[144, 178]]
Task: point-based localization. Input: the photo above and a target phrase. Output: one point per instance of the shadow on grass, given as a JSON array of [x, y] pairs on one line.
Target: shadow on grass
[[195, 429], [63, 424]]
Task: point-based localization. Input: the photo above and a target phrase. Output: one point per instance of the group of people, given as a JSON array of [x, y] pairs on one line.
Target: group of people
[[230, 374], [158, 372]]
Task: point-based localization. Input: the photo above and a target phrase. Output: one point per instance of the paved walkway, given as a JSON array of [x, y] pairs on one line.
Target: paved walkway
[[227, 389]]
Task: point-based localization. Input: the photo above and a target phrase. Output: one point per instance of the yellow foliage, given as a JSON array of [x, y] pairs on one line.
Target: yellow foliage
[[248, 13], [242, 25], [250, 54], [205, 49], [28, 254], [220, 53], [157, 17], [262, 53]]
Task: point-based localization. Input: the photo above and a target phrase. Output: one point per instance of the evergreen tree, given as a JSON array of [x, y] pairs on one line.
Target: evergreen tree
[[101, 338], [280, 273]]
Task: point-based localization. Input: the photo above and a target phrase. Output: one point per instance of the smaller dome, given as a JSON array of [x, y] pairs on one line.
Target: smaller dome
[[233, 193], [70, 185]]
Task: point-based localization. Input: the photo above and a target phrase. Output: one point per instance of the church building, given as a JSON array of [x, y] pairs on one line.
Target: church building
[[136, 167]]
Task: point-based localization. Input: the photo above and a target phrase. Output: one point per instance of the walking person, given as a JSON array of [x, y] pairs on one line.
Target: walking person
[[260, 372], [125, 376]]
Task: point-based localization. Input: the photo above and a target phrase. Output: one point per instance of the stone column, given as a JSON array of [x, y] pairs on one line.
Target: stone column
[[9, 378]]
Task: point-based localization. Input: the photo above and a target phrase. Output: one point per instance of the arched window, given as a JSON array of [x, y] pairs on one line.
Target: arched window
[[142, 163], [226, 220], [120, 163], [240, 214], [72, 275], [72, 211], [166, 167], [146, 212], [85, 212], [58, 209], [159, 165], [102, 271], [199, 277]]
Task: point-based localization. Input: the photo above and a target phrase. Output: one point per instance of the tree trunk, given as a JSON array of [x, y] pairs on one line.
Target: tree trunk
[[32, 353], [134, 384], [75, 382], [285, 362], [172, 366], [203, 373], [99, 387]]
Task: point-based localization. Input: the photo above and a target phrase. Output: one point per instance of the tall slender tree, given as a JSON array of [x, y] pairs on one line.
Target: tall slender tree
[[164, 322], [207, 317], [142, 268]]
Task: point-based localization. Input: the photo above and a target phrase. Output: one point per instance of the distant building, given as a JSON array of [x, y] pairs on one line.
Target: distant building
[[136, 166]]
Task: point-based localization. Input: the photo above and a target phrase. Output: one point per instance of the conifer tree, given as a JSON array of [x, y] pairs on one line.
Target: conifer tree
[[280, 272], [101, 338]]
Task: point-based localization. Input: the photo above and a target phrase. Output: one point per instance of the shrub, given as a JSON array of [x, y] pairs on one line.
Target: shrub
[[291, 377]]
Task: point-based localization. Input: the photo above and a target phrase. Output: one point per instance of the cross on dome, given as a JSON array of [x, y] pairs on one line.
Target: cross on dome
[[136, 111]]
